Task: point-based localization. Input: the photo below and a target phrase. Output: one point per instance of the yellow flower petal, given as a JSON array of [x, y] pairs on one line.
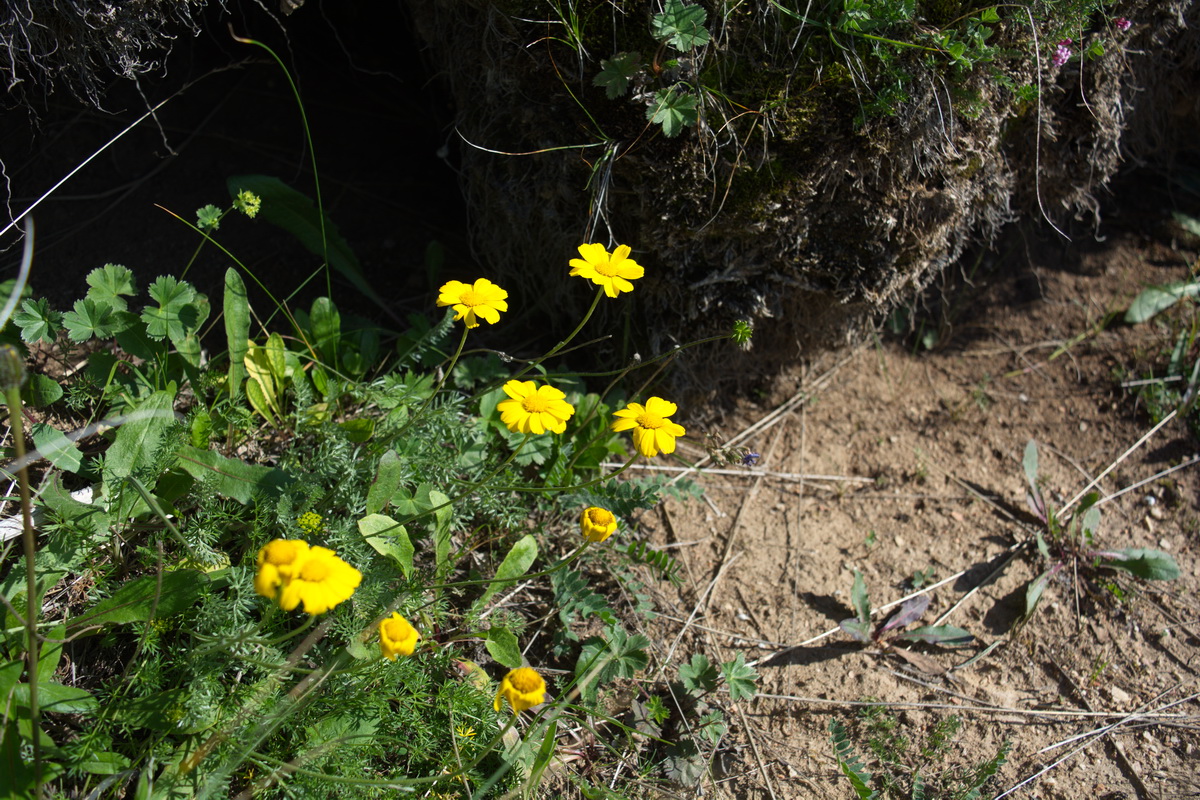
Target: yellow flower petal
[[651, 430]]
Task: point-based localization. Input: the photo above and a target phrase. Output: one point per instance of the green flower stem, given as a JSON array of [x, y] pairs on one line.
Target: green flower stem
[[33, 601], [200, 245], [290, 634], [162, 515], [555, 567], [442, 382], [554, 350], [592, 482]]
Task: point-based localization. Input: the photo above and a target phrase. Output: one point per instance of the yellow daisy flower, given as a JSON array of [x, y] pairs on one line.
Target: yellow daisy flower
[[277, 564], [397, 637], [597, 524], [534, 409], [652, 431], [613, 272], [321, 582], [472, 301], [523, 688]]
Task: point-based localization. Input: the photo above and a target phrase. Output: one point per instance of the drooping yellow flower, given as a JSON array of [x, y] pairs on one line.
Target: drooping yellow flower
[[597, 524], [397, 637], [278, 561], [652, 431], [612, 271], [523, 688], [534, 409], [321, 581], [473, 301]]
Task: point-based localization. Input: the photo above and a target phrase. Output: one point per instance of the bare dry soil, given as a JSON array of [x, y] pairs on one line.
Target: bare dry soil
[[892, 460]]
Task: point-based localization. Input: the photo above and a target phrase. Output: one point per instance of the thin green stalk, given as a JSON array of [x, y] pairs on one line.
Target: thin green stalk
[[566, 341], [11, 372], [441, 382], [312, 151]]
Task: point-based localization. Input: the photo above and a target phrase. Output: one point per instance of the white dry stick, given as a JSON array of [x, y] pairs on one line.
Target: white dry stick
[[748, 472], [1098, 735], [1121, 458]]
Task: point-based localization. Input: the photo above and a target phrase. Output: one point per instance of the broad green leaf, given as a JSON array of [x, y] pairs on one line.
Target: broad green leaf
[[359, 429], [938, 634], [141, 435], [56, 448], [1145, 563], [232, 477], [1030, 465], [614, 655], [989, 15], [388, 538], [1155, 299], [1033, 595], [237, 329], [859, 598], [387, 481], [294, 212], [518, 561], [110, 285], [54, 698], [144, 598], [38, 322], [615, 73], [699, 677], [262, 405], [51, 653], [40, 391], [682, 25], [858, 630], [441, 533], [89, 318], [739, 678], [326, 329], [674, 110], [102, 763], [175, 313], [156, 712], [86, 516], [502, 645]]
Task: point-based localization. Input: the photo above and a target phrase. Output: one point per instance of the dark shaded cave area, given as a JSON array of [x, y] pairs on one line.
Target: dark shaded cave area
[[381, 130]]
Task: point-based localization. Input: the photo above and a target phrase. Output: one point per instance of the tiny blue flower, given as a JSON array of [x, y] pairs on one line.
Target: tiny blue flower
[[750, 459]]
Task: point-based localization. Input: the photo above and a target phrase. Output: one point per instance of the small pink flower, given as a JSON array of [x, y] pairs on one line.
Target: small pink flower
[[1122, 24], [1062, 53]]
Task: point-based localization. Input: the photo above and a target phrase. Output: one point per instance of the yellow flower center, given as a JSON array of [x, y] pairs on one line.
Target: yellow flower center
[[314, 571], [535, 404], [525, 681], [650, 421], [607, 269], [599, 517], [471, 298]]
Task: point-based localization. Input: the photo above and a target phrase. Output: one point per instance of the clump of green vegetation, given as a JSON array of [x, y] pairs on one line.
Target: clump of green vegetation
[[1174, 390], [1068, 546], [277, 546], [909, 768]]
